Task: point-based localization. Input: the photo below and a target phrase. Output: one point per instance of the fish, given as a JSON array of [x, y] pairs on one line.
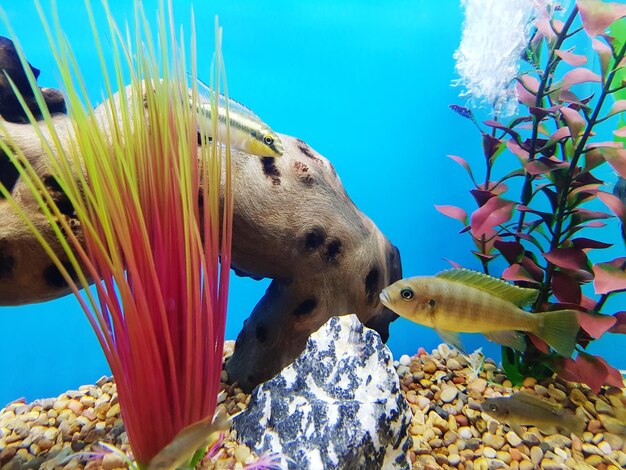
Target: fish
[[464, 301], [247, 132], [523, 408], [185, 444]]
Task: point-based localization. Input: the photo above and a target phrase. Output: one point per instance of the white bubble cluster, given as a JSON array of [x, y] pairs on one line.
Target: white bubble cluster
[[495, 34]]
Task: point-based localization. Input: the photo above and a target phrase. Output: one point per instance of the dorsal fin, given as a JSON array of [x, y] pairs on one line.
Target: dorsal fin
[[207, 93], [518, 295], [536, 401]]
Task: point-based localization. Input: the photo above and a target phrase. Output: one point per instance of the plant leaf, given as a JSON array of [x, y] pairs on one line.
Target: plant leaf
[[565, 288], [561, 133], [516, 272], [465, 165], [615, 157], [585, 243], [454, 212], [592, 372], [572, 59], [608, 277], [620, 323], [579, 75], [604, 53], [618, 107], [494, 212], [614, 203], [574, 121], [621, 132], [568, 258], [594, 324], [512, 251], [597, 15]]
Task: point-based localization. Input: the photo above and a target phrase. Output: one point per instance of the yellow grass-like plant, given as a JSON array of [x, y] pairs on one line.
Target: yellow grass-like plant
[[154, 239]]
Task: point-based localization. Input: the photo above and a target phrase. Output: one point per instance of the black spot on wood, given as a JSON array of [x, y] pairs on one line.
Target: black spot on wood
[[261, 333], [314, 239], [7, 263], [333, 251], [271, 170], [371, 284], [54, 278], [307, 152], [58, 195], [305, 307], [302, 172], [8, 173]]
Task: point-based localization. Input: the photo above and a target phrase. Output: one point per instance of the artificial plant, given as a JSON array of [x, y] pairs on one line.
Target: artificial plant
[[543, 225], [154, 238]]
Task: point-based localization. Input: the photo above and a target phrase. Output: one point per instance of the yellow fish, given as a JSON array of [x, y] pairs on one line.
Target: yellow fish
[[525, 408], [463, 301], [184, 445]]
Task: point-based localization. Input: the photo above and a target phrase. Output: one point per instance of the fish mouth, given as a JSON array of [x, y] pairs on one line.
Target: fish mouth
[[384, 298]]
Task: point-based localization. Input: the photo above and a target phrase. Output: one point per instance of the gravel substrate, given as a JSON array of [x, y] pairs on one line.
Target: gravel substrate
[[448, 428]]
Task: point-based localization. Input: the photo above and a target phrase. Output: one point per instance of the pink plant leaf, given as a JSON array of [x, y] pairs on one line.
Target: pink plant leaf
[[593, 159], [494, 212], [454, 212], [524, 96], [586, 214], [616, 158], [568, 258], [592, 372], [516, 272], [516, 150], [532, 268], [620, 323], [561, 133], [606, 144], [512, 251], [604, 53], [567, 369], [608, 278], [587, 303], [579, 75], [572, 59], [613, 376], [540, 344], [618, 107], [586, 243], [454, 264], [543, 26], [621, 132], [565, 288], [530, 83], [614, 203], [464, 164], [595, 325], [574, 121], [597, 15]]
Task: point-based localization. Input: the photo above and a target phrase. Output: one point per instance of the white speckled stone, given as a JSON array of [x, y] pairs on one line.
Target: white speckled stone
[[337, 406]]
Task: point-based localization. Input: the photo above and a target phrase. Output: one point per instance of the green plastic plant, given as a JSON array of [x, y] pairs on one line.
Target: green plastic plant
[[154, 240], [544, 233]]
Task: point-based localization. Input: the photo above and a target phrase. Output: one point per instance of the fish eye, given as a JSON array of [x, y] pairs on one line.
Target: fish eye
[[431, 303], [407, 293], [268, 140], [493, 407]]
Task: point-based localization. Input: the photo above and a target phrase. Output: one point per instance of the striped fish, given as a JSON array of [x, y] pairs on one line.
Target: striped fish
[[463, 301], [247, 132]]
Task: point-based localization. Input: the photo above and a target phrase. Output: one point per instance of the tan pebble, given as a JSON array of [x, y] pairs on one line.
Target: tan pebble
[[529, 382], [454, 459], [452, 365], [613, 425], [603, 407], [429, 367], [594, 426], [87, 401], [435, 443], [492, 426], [558, 441], [561, 453], [242, 452], [516, 454], [587, 436], [75, 406], [577, 397], [507, 384], [45, 444], [453, 449], [444, 350], [452, 424], [615, 441], [481, 463], [541, 390], [557, 394], [594, 460], [60, 405], [530, 438], [605, 447], [51, 434], [461, 420], [591, 449], [597, 438], [477, 385], [112, 461], [504, 456], [34, 449], [423, 402], [489, 452], [450, 437], [549, 464], [113, 411], [494, 440], [513, 439], [465, 433], [536, 454]]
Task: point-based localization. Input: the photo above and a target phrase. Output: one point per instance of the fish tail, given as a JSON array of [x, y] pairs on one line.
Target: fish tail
[[559, 329]]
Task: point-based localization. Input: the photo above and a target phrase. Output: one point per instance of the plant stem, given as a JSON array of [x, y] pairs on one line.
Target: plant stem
[[564, 191], [545, 80]]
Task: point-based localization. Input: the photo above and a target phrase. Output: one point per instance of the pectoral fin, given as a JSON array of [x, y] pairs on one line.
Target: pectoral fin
[[512, 339], [452, 338]]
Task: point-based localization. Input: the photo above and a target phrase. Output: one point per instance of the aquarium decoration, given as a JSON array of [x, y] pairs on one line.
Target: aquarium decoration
[[142, 221], [544, 232]]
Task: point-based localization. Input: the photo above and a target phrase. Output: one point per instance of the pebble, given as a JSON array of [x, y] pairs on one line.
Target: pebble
[[454, 459], [489, 452], [494, 440], [448, 394], [536, 454], [465, 433], [405, 360], [513, 439], [112, 461]]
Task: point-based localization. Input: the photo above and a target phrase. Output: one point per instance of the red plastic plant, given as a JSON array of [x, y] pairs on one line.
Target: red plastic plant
[[542, 233], [154, 236]]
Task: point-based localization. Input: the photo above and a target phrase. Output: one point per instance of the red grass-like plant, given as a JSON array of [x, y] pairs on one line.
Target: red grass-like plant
[[153, 237]]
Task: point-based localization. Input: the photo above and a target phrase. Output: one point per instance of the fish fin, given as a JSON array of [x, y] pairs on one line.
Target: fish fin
[[559, 329], [536, 401], [520, 296], [548, 430], [512, 339], [574, 424], [207, 94], [452, 338]]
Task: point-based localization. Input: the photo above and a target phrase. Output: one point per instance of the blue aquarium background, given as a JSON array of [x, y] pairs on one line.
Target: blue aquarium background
[[365, 83]]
